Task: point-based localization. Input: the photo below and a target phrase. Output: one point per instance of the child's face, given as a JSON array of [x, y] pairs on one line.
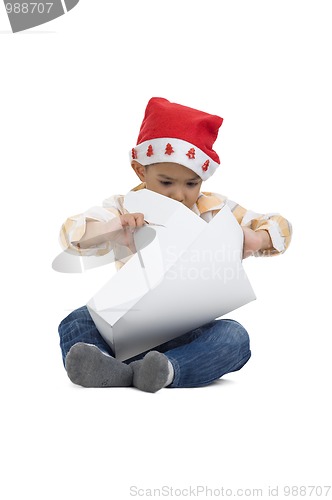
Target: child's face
[[172, 180]]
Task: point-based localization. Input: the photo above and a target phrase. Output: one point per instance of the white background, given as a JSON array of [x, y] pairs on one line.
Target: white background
[[73, 94]]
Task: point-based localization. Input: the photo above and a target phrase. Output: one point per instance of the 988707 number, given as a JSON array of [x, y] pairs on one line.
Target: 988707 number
[[29, 8]]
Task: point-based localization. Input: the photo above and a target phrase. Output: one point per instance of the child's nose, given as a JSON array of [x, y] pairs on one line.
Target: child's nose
[[178, 195]]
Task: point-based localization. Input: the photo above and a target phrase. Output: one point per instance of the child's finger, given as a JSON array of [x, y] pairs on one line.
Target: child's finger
[[132, 220], [139, 219]]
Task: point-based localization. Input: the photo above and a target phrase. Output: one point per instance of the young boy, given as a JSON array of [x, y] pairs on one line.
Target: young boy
[[173, 156]]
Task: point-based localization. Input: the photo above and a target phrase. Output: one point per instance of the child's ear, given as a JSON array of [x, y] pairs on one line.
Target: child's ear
[[139, 170]]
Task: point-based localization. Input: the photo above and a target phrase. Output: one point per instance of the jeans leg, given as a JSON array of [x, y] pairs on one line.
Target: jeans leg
[[207, 353], [78, 326]]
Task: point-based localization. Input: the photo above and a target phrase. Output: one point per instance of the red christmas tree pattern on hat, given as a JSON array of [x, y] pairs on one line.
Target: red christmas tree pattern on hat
[[169, 150]]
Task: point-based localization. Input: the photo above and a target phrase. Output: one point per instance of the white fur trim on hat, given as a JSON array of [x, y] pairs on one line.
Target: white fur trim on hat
[[168, 149]]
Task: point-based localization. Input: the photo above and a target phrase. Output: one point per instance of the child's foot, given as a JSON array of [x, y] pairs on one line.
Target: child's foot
[[153, 372], [88, 366]]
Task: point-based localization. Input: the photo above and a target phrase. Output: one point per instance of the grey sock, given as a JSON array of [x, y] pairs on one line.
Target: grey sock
[[152, 372], [88, 366]]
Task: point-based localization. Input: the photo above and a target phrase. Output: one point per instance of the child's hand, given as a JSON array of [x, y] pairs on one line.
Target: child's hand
[[119, 229], [255, 241], [129, 223], [132, 220]]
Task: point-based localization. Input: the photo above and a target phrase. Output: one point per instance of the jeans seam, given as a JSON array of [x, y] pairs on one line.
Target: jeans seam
[[229, 370]]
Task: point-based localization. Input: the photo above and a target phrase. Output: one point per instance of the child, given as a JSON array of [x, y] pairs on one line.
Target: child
[[173, 156]]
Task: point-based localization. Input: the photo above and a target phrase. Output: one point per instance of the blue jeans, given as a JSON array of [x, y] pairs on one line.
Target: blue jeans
[[199, 357]]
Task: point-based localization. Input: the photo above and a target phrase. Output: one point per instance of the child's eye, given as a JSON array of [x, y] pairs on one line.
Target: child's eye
[[165, 183], [192, 184]]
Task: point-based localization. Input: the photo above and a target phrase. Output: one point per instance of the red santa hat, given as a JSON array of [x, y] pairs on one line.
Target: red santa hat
[[174, 133]]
